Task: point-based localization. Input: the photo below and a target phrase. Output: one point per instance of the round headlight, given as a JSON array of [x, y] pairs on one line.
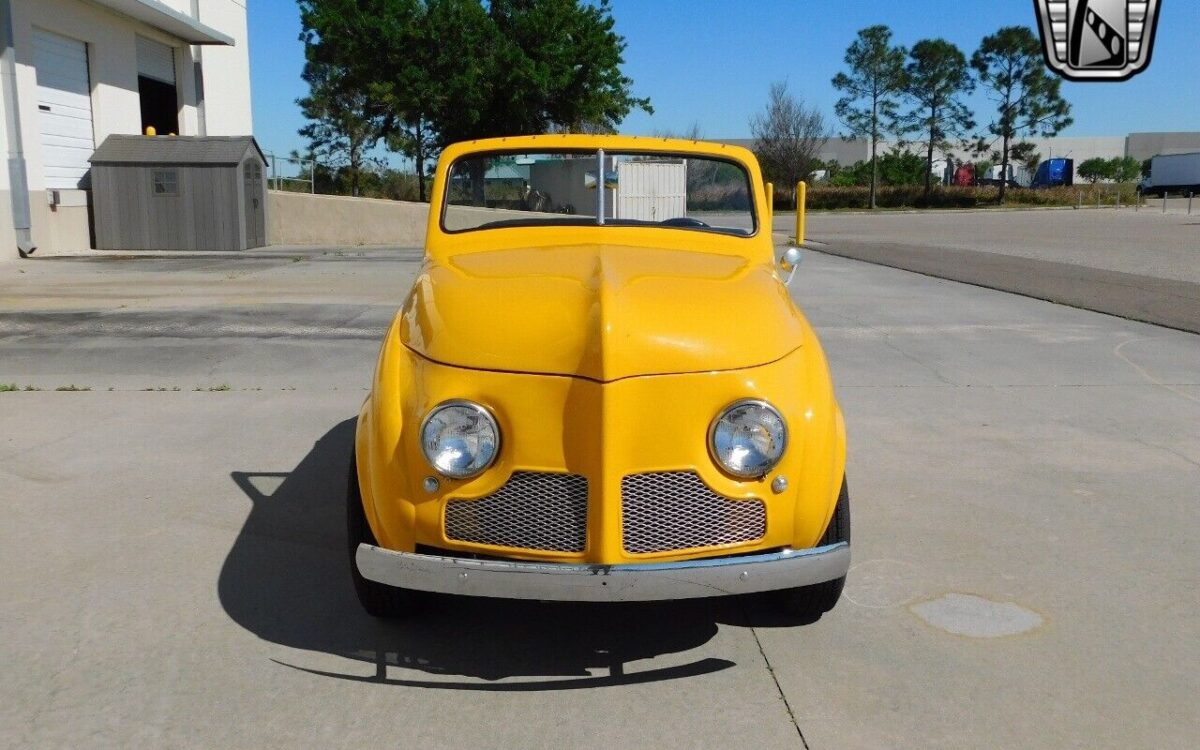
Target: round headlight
[[748, 438], [459, 439]]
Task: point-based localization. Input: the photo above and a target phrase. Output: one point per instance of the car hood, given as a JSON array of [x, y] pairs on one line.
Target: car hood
[[603, 312]]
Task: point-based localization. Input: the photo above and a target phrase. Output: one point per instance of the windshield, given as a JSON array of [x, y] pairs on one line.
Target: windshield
[[561, 188]]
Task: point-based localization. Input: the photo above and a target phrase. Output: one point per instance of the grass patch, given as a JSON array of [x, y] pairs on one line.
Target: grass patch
[[9, 387], [163, 388], [214, 388], [73, 388]]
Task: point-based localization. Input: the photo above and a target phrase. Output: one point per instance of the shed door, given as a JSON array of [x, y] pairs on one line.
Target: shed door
[[256, 225], [65, 108]]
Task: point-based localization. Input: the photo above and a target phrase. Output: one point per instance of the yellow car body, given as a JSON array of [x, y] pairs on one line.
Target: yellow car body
[[601, 352]]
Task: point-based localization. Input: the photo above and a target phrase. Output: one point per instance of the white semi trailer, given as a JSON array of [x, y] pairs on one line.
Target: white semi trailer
[[1174, 173]]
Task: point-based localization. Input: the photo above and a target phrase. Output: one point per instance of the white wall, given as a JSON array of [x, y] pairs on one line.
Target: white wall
[[227, 69], [1079, 149]]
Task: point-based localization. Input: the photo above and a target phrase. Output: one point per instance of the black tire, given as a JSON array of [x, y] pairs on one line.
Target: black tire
[[810, 602], [379, 600]]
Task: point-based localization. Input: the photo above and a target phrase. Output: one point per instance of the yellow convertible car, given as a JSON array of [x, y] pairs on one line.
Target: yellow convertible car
[[599, 389]]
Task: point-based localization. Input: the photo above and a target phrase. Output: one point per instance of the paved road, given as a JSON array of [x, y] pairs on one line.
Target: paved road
[[1024, 479], [1138, 265], [1144, 242]]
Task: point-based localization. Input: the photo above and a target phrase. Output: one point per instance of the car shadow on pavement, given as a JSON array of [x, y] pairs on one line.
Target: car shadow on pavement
[[287, 580]]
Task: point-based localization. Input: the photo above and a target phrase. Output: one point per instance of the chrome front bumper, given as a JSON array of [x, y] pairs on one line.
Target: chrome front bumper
[[694, 579]]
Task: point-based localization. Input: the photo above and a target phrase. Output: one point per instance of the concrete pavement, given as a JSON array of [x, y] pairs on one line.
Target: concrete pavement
[[1023, 478], [1141, 265]]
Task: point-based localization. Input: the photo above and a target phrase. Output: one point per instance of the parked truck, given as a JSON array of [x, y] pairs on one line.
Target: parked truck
[[1173, 173], [964, 176], [1054, 173]]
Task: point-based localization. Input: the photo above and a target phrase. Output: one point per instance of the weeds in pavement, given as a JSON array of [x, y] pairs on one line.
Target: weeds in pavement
[[73, 388], [8, 387], [214, 388]]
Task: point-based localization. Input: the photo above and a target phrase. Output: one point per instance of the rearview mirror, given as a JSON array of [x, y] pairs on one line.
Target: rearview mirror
[[789, 263]]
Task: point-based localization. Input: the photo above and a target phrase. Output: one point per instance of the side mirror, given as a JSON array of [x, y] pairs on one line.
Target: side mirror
[[789, 263]]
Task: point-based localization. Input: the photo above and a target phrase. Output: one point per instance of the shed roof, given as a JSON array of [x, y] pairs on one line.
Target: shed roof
[[144, 149]]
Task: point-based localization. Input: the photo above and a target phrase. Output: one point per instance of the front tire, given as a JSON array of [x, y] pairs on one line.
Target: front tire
[[378, 599], [810, 602]]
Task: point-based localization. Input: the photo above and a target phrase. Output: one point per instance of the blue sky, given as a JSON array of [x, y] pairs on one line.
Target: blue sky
[[710, 61]]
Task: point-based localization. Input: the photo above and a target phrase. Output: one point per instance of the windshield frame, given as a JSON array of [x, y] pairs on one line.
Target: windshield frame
[[601, 221]]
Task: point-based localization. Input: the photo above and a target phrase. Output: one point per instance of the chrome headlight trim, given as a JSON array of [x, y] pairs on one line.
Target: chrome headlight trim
[[480, 410], [721, 414]]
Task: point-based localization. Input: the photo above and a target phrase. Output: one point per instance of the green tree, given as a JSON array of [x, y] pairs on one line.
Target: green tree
[[936, 77], [1028, 99], [857, 174], [1025, 155], [405, 79], [432, 72], [535, 65], [788, 136], [1124, 169], [870, 87], [1094, 170], [340, 131], [902, 167], [412, 136], [543, 64]]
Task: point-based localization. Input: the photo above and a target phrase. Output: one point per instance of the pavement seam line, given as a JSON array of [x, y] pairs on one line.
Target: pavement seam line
[[779, 689]]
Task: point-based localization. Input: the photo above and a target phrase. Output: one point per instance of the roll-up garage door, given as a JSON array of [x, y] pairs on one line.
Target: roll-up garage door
[[65, 108], [157, 93], [155, 60]]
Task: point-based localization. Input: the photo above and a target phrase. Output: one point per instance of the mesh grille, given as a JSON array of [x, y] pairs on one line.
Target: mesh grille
[[532, 510], [676, 510]]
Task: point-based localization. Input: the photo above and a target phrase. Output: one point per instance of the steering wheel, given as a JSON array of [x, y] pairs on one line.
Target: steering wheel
[[684, 221]]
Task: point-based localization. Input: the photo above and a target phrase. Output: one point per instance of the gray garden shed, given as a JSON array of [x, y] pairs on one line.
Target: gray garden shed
[[179, 193]]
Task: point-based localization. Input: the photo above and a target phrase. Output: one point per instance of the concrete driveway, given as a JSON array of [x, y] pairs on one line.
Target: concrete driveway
[[1140, 265], [1024, 480]]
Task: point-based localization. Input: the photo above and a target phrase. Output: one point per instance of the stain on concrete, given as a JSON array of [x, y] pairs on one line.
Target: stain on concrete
[[976, 617]]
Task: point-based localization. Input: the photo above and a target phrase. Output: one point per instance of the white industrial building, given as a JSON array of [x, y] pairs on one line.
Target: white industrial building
[[74, 72]]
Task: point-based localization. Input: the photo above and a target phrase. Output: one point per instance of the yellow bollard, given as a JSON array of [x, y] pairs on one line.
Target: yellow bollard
[[801, 209], [770, 206]]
